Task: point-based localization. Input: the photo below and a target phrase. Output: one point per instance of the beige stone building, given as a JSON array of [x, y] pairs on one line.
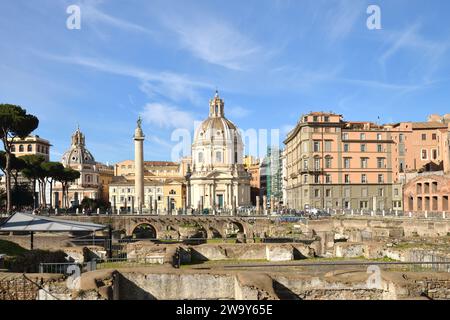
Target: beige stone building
[[161, 196], [335, 164], [332, 163], [148, 187], [31, 145]]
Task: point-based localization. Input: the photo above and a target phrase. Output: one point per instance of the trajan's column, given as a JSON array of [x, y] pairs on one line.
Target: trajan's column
[[139, 166]]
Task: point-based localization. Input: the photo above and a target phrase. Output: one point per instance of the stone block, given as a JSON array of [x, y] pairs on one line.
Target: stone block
[[279, 253]]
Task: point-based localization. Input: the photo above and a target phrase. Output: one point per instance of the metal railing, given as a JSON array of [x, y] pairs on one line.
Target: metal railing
[[65, 267]]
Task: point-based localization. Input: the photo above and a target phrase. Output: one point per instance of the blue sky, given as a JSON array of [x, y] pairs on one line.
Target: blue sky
[[271, 60]]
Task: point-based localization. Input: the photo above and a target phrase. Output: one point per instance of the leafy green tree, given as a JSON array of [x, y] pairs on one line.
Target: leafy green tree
[[65, 177], [33, 170], [52, 171], [22, 196], [94, 204], [17, 165], [14, 123]]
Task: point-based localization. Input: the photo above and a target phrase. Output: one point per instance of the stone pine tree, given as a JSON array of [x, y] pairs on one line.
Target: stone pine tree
[[33, 171], [53, 170], [65, 177], [15, 122]]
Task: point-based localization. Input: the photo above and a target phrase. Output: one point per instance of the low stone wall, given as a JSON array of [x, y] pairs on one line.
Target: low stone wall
[[84, 254], [149, 286], [270, 252]]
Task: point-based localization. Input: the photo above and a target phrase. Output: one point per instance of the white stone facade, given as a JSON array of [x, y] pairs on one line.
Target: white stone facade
[[218, 179]]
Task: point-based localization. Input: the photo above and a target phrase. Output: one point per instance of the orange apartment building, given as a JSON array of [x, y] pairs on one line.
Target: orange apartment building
[[332, 163]]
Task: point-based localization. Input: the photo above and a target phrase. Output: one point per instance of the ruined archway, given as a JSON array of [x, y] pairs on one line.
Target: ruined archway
[[144, 231], [233, 229]]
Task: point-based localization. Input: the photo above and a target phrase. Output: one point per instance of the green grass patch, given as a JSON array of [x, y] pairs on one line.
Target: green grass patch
[[11, 248]]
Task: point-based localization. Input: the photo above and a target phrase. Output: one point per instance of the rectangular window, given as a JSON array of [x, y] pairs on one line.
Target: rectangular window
[[364, 162], [434, 136], [363, 147], [380, 163], [327, 178], [379, 148], [345, 136], [381, 192], [424, 154], [346, 147], [363, 178], [401, 137], [326, 119], [363, 204], [328, 193], [305, 179], [378, 136], [347, 178], [317, 164], [347, 163], [396, 192], [434, 154], [328, 146], [305, 164], [317, 193], [362, 136], [316, 146], [380, 178], [315, 118], [316, 178], [424, 136]]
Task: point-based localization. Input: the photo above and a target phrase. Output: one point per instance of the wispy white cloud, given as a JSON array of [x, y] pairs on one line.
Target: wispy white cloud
[[410, 39], [167, 84], [92, 13], [167, 116], [341, 18], [213, 40]]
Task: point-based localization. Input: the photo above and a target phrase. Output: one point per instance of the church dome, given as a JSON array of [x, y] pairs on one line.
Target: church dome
[[216, 126], [77, 154], [217, 140]]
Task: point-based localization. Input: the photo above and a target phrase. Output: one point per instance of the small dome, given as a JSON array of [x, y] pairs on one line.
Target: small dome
[[216, 126], [77, 154]]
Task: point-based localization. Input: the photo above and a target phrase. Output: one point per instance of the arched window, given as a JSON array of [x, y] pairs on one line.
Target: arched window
[[200, 157], [29, 148], [21, 148], [88, 178], [218, 156]]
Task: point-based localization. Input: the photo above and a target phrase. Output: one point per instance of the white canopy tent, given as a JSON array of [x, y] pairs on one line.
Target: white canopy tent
[[24, 222]]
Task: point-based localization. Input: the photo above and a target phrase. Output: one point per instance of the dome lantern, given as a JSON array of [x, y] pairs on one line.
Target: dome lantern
[[216, 107]]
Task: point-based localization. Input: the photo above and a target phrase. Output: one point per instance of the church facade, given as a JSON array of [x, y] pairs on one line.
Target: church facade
[[217, 179]]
